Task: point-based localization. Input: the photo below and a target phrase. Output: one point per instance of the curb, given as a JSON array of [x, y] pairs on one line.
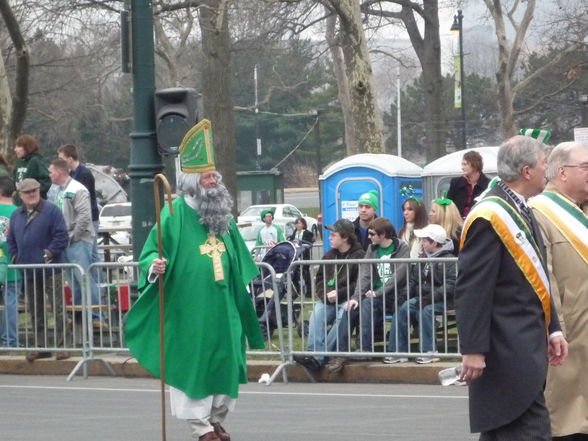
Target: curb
[[127, 366]]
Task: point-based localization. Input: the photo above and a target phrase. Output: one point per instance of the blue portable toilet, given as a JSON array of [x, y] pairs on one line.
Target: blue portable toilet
[[345, 181]]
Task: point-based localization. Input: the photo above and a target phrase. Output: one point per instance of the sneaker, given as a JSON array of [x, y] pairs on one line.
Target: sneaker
[[336, 364], [427, 360], [394, 360]]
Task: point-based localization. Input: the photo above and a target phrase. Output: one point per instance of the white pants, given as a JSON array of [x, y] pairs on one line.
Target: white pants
[[202, 413]]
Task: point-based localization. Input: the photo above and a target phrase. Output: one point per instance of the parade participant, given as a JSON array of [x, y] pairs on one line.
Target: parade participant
[[367, 205], [565, 232], [506, 319], [208, 312], [269, 234]]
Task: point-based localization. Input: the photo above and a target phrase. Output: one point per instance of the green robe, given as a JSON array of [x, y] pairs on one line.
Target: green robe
[[206, 322]]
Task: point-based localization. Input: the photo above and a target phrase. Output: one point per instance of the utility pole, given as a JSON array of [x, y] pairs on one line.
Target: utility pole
[[458, 27], [145, 161], [257, 138], [317, 143], [398, 115]]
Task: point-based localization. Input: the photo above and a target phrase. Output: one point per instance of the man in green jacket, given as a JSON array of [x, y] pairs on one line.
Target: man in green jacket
[[209, 315]]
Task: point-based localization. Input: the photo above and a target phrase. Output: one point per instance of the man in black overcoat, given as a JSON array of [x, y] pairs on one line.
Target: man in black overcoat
[[506, 319]]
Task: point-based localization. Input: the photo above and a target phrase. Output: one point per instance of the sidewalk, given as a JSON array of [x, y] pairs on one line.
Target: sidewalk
[[354, 372]]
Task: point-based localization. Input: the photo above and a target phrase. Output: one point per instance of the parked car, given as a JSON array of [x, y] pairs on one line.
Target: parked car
[[115, 229], [249, 233], [284, 216], [116, 216]]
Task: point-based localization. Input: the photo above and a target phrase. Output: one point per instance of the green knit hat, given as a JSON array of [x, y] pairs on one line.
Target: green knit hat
[[370, 198], [538, 134]]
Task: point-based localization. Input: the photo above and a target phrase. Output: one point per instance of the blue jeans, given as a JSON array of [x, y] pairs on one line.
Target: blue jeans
[[319, 338], [9, 319], [408, 314], [369, 315], [80, 252], [95, 255]]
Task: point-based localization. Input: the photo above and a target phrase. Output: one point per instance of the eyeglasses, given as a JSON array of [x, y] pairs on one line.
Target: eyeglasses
[[583, 167], [372, 233]]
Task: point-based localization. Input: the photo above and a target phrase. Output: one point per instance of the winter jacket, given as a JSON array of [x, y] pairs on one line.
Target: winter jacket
[[28, 239], [31, 166], [436, 285], [344, 276], [368, 273], [84, 176], [365, 241]]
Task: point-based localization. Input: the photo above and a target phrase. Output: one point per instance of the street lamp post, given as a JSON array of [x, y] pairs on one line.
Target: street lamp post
[[458, 27]]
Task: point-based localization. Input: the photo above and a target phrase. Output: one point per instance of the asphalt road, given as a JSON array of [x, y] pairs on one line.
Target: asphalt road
[[47, 408]]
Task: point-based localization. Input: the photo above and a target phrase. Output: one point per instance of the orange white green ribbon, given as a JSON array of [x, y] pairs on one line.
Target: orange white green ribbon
[[567, 218], [518, 240]]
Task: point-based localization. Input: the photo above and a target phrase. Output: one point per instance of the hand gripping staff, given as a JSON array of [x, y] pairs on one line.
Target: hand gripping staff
[[160, 177]]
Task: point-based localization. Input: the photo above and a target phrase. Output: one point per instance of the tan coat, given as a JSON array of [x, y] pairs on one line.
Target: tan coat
[[566, 392]]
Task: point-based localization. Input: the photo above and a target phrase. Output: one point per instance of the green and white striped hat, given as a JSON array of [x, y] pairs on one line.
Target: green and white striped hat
[[538, 134]]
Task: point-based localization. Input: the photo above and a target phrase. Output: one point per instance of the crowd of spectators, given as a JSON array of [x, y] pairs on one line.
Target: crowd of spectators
[[35, 230]]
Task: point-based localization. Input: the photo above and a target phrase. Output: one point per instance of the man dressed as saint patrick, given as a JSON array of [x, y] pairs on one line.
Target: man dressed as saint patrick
[[209, 316]]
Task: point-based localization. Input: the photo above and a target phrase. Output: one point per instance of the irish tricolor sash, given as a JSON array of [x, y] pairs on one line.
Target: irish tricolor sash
[[518, 240], [566, 217]]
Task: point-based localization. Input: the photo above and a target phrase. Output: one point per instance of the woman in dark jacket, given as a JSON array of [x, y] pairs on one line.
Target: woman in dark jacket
[[29, 164], [301, 231], [463, 190]]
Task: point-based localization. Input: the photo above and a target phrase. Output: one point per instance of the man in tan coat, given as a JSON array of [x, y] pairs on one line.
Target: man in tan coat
[[565, 231]]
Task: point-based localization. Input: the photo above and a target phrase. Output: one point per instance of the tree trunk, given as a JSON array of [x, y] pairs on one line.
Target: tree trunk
[[366, 118], [216, 87], [21, 89], [428, 50], [508, 57], [343, 91], [5, 109]]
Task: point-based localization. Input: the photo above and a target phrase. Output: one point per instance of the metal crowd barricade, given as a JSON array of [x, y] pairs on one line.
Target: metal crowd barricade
[[43, 310], [376, 319], [115, 283], [267, 291]]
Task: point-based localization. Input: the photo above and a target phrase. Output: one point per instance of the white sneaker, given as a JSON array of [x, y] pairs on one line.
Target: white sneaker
[[428, 359], [394, 360]]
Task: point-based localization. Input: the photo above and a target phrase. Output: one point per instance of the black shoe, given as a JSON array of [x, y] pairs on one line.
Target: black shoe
[[308, 362]]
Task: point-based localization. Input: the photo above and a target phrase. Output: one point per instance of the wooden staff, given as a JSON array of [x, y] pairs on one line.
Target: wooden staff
[[161, 178]]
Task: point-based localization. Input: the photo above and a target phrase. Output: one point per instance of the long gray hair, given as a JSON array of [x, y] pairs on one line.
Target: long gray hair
[[213, 204]]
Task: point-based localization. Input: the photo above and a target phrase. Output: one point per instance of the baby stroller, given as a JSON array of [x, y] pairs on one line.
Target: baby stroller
[[280, 257]]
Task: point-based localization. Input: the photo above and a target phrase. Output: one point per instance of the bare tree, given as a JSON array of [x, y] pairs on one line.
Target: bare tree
[[5, 108], [216, 85], [364, 111], [21, 88], [344, 93], [427, 46], [510, 52]]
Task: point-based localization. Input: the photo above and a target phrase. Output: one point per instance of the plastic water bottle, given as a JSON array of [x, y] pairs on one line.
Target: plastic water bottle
[[449, 376]]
